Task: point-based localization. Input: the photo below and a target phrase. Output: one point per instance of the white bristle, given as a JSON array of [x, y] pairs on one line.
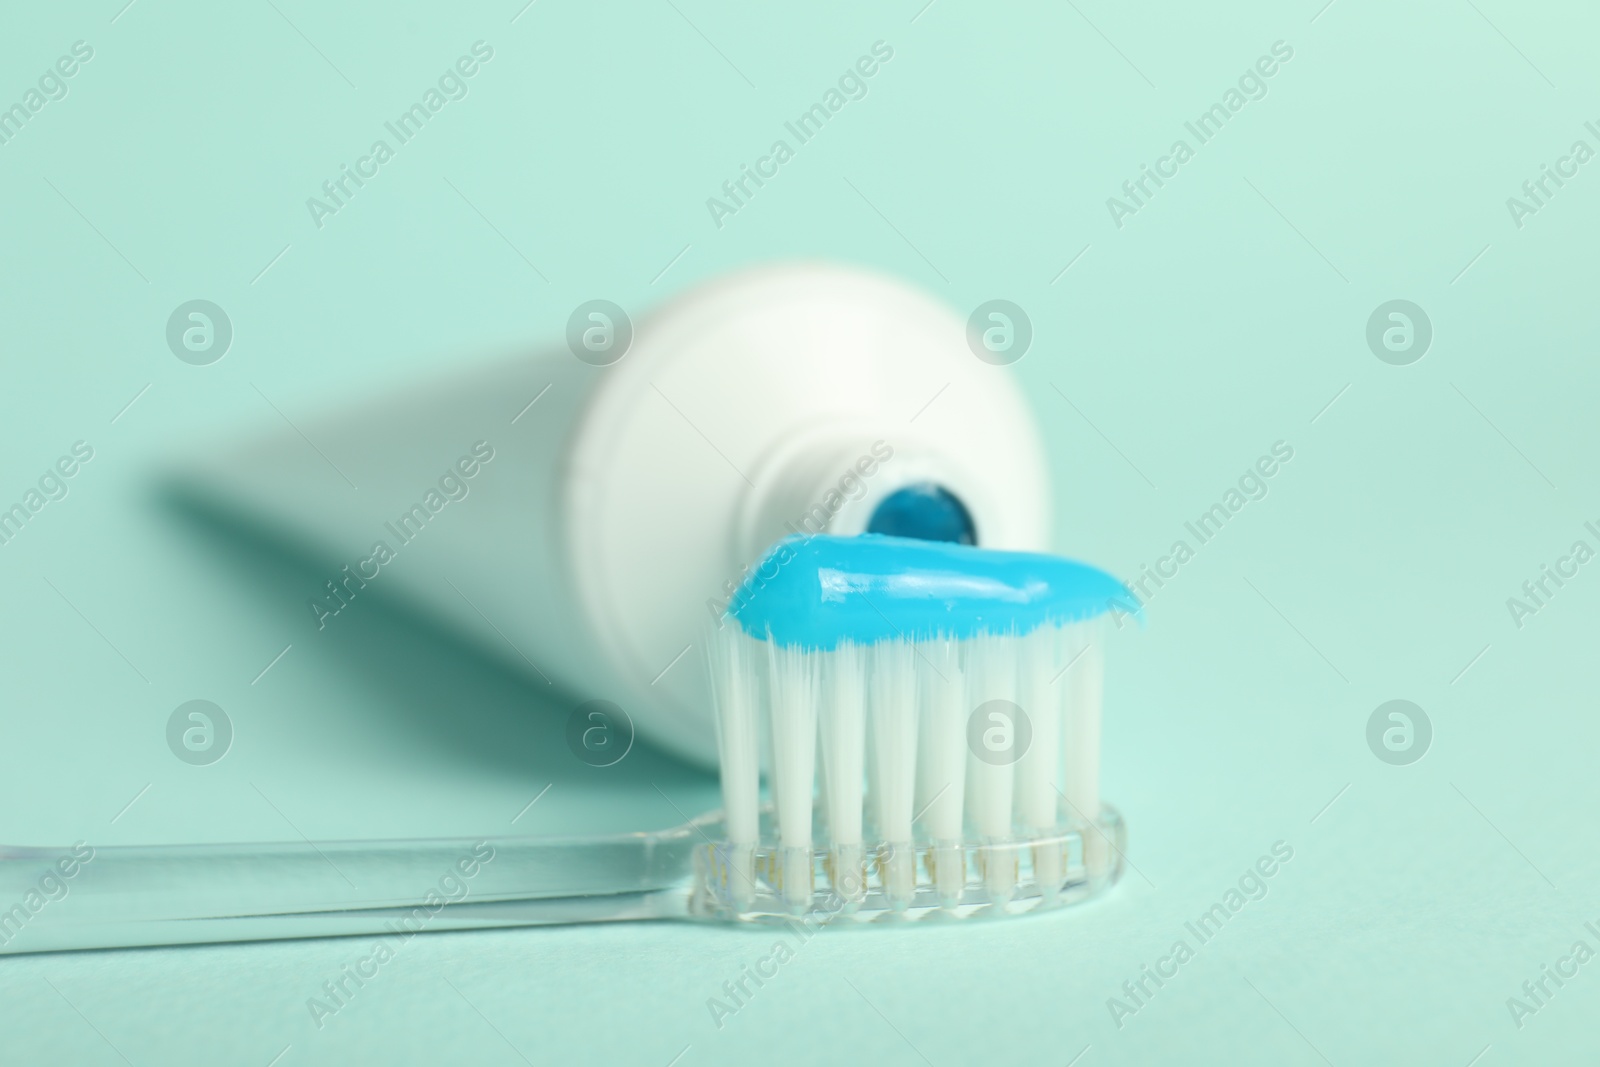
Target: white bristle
[[898, 729], [733, 687], [1082, 741], [842, 721], [942, 739], [991, 676], [942, 761], [1081, 774], [735, 692], [792, 695], [892, 712], [1040, 695]]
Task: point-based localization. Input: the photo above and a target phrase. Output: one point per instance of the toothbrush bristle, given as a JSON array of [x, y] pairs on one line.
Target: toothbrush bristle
[[952, 769]]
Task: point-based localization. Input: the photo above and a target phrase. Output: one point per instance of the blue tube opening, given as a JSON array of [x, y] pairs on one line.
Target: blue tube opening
[[925, 511]]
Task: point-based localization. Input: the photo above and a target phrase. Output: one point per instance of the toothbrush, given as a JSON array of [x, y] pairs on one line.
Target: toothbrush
[[947, 697], [953, 694]]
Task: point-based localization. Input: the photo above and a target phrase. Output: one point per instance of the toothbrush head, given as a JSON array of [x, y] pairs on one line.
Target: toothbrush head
[[930, 717]]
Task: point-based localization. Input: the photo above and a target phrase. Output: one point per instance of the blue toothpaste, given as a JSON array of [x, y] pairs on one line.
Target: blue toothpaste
[[814, 592]]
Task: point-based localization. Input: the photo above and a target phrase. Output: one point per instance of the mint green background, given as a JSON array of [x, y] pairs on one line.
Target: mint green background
[[1193, 338]]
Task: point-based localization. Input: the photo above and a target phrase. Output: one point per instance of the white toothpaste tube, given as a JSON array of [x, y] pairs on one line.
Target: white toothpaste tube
[[588, 511]]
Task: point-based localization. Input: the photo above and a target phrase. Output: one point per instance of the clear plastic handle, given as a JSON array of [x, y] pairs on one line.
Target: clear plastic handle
[[117, 896], [122, 896]]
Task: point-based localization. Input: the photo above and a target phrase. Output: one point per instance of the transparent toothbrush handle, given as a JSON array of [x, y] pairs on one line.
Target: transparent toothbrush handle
[[108, 897]]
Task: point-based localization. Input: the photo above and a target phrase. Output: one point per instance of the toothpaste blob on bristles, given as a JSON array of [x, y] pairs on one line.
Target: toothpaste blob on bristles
[[815, 592], [943, 655]]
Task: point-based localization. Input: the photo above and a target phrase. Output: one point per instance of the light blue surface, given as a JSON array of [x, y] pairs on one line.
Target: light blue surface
[[1168, 355], [815, 591]]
